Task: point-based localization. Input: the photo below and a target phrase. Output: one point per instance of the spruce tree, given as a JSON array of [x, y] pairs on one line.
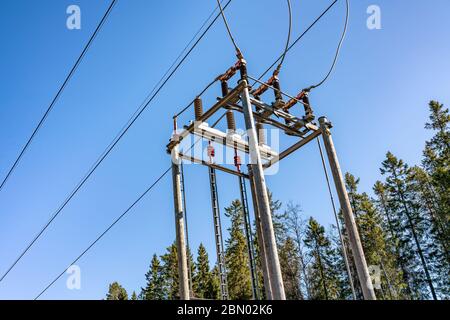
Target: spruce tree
[[323, 274], [413, 225], [391, 228], [374, 240], [170, 272], [239, 280], [116, 292], [156, 282], [203, 280]]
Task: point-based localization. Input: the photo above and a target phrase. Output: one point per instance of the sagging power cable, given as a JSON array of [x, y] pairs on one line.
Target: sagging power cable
[[299, 37], [58, 94], [288, 41], [338, 50], [238, 51], [114, 142]]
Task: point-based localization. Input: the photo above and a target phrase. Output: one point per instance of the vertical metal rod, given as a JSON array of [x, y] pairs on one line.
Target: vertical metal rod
[[350, 223], [186, 227], [276, 278], [179, 226], [262, 249], [218, 235], [248, 235]]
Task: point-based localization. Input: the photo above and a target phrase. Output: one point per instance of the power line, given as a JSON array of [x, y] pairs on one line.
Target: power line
[[165, 173], [300, 37], [60, 91], [123, 215], [277, 70], [106, 231], [238, 51], [338, 50], [111, 146]]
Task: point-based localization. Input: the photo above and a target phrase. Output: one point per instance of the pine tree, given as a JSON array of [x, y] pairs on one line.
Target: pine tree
[[134, 296], [156, 286], [323, 274], [239, 280], [413, 226], [116, 292]]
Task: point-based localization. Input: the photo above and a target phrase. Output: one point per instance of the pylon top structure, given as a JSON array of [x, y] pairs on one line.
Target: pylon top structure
[[257, 113]]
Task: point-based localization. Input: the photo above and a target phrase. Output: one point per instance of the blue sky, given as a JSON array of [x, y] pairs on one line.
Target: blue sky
[[377, 99]]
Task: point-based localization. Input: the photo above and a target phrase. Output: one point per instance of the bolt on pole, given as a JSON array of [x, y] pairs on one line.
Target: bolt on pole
[[179, 226], [349, 219], [276, 278]]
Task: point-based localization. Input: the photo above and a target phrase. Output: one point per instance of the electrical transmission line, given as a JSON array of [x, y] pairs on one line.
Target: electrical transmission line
[[167, 170], [58, 95], [338, 50], [299, 38], [107, 230], [122, 216], [115, 141]]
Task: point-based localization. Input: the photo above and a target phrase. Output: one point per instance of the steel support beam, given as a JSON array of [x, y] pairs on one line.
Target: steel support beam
[[349, 219], [213, 166], [293, 148]]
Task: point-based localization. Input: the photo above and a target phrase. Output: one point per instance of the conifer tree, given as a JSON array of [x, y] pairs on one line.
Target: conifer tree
[[296, 228], [411, 221], [239, 280], [323, 273], [156, 288], [437, 164], [391, 229], [116, 292], [290, 268], [374, 240], [170, 272], [203, 280]]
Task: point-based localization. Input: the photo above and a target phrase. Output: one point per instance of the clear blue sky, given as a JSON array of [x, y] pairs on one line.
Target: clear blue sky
[[377, 99]]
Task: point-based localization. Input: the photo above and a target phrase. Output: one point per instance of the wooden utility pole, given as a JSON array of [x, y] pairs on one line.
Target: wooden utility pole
[[259, 234], [179, 226], [350, 223], [273, 262]]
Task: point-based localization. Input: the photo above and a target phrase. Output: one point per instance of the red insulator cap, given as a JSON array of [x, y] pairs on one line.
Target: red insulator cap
[[237, 161], [211, 152]]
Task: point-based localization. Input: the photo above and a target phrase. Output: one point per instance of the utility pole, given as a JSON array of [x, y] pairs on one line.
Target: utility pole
[[179, 226], [350, 223], [261, 244], [276, 278]]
